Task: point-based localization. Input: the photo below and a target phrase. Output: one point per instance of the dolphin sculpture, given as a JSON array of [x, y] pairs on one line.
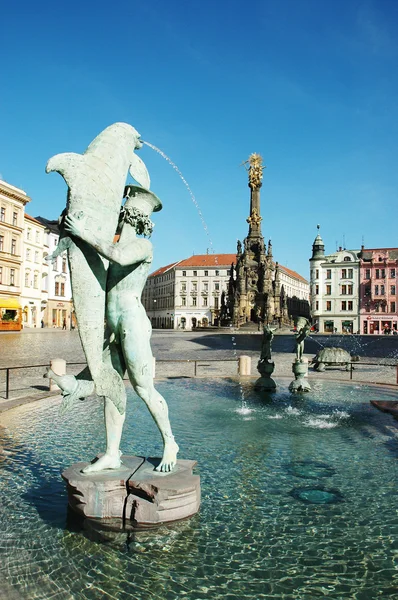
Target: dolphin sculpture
[[96, 181]]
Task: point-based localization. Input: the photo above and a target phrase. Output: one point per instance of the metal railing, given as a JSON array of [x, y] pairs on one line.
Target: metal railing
[[195, 363]]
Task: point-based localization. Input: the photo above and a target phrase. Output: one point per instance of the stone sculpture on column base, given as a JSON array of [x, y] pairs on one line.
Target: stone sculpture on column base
[[110, 257], [300, 365]]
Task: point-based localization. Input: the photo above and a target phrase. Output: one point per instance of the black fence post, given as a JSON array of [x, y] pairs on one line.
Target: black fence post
[[7, 382]]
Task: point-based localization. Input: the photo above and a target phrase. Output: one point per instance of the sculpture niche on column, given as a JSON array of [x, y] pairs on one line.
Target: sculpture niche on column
[[116, 274]]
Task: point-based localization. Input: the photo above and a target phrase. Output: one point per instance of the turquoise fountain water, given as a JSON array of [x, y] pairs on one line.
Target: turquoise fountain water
[[298, 500]]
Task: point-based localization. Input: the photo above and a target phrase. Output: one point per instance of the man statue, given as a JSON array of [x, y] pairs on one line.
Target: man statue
[[268, 336], [129, 329], [303, 329]]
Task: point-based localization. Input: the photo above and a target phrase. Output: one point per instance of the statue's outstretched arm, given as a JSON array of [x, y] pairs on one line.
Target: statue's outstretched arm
[[122, 254]]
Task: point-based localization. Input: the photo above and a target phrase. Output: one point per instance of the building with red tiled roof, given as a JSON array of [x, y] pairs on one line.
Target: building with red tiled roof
[[187, 293]]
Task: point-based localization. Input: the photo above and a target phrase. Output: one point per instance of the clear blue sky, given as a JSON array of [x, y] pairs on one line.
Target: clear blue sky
[[312, 85]]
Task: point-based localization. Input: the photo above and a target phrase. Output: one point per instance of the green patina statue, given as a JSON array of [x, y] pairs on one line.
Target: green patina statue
[[120, 271]]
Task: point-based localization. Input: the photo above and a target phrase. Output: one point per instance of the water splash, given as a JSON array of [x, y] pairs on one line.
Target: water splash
[[168, 159], [244, 408]]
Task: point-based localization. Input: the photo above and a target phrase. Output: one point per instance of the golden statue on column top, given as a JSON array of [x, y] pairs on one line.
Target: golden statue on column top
[[255, 169]]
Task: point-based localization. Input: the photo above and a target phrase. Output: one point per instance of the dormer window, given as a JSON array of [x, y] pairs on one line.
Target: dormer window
[[347, 259]]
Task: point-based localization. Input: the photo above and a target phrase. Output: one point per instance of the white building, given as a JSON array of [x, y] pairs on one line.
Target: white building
[[187, 293], [57, 294], [34, 272], [334, 281]]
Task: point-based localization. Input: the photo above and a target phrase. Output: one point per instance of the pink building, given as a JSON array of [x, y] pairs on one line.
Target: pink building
[[378, 290]]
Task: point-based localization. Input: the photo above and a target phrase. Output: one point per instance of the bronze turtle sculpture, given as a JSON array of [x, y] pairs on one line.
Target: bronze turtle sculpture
[[333, 357]]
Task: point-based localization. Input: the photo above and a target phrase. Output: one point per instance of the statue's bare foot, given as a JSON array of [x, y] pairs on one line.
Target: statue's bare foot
[[169, 458], [107, 461]]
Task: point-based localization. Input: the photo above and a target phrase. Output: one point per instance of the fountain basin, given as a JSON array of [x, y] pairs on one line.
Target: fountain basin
[[252, 537]]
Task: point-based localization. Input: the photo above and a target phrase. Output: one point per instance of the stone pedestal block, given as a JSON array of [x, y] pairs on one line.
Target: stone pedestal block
[[244, 365], [135, 492], [58, 365], [300, 371]]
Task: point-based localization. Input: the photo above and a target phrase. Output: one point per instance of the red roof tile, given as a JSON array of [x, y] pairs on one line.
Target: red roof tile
[[209, 260], [33, 219], [162, 270], [293, 274]]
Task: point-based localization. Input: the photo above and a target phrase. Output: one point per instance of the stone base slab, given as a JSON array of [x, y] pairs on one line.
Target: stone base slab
[[135, 492]]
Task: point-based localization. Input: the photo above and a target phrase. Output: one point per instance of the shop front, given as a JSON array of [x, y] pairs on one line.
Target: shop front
[[374, 325], [328, 326], [58, 315], [10, 314], [347, 326]]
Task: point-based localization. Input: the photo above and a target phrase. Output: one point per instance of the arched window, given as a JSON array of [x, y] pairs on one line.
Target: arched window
[[347, 259]]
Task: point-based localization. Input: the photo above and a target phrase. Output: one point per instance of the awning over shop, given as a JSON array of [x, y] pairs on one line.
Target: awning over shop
[[9, 303]]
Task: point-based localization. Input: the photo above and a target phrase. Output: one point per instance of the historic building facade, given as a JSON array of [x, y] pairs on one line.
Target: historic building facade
[[378, 290], [188, 293], [256, 291], [57, 293], [334, 281], [12, 207], [34, 273]]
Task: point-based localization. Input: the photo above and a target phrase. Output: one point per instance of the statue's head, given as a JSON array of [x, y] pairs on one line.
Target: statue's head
[[140, 204]]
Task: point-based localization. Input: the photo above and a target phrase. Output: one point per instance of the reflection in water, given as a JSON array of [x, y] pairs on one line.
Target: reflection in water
[[285, 503]]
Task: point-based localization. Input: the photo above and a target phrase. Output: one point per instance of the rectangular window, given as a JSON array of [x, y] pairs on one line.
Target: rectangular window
[[194, 286], [376, 290], [28, 233], [328, 305], [35, 281], [217, 273], [350, 289], [206, 273], [36, 257], [13, 246], [317, 289], [37, 237], [55, 265], [367, 273], [56, 288], [328, 273], [344, 273], [217, 286], [393, 306], [216, 303], [350, 305], [26, 279], [328, 290], [392, 273], [382, 290], [205, 301], [206, 286], [27, 254], [393, 290], [184, 273], [383, 273], [194, 301], [62, 289], [15, 218], [2, 214], [377, 273], [344, 290], [344, 305], [63, 265], [377, 308], [183, 301], [195, 273], [316, 273], [12, 276], [350, 273], [183, 286], [317, 305]]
